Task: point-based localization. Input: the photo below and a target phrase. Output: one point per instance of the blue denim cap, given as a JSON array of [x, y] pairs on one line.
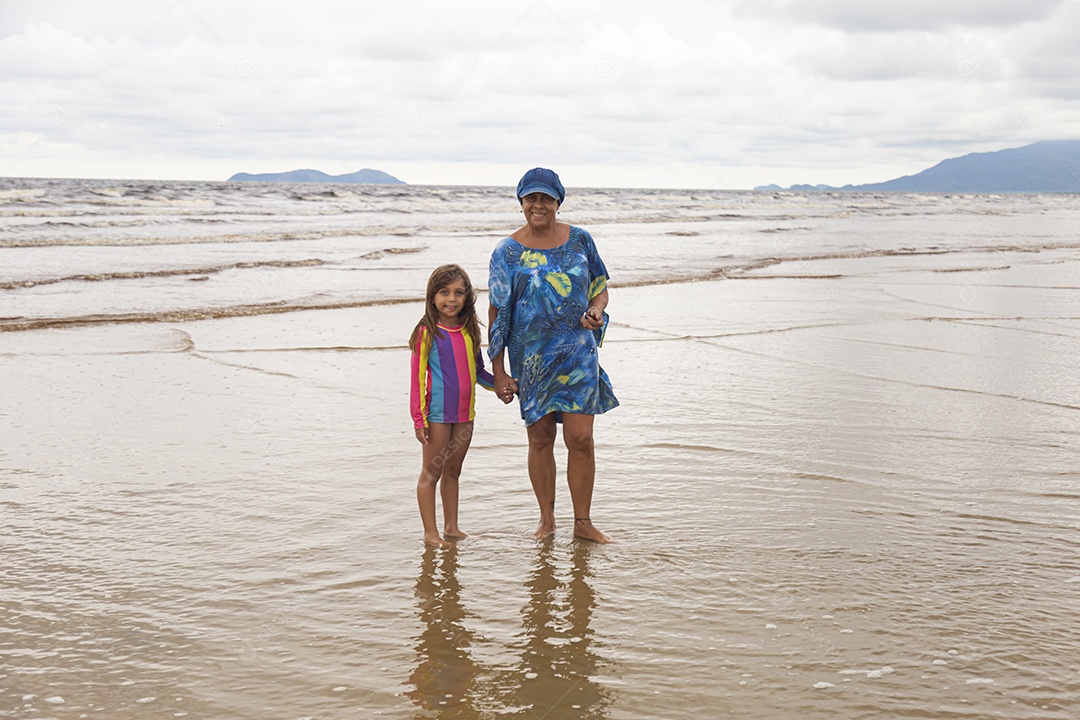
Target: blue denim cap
[[541, 180]]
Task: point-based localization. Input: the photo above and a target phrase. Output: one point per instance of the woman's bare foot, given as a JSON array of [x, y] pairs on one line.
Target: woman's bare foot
[[584, 529], [545, 529], [434, 540], [454, 533]]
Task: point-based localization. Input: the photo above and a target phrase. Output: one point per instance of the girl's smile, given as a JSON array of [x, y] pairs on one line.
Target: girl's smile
[[449, 301]]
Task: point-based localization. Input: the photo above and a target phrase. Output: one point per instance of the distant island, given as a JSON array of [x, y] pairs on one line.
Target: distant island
[[365, 176], [1052, 166]]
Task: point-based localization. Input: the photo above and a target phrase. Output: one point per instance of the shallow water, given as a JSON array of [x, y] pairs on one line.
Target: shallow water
[[841, 485]]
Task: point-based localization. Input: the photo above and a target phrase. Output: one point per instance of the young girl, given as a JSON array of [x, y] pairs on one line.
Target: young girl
[[446, 366]]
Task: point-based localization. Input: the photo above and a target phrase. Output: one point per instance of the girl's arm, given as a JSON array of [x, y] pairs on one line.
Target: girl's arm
[[483, 378], [418, 382]]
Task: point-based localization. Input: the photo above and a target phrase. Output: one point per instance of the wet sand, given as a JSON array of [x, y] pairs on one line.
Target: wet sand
[[845, 488]]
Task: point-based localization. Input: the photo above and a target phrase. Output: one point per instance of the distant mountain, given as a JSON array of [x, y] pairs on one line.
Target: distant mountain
[[1052, 166], [365, 176]]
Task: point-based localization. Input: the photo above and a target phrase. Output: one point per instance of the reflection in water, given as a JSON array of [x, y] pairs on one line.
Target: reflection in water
[[558, 663], [555, 674], [445, 673]]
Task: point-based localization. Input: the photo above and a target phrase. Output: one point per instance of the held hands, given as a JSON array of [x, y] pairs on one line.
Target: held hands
[[593, 319], [505, 386]]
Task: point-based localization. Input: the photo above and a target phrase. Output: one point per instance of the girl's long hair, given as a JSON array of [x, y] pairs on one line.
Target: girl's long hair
[[443, 276]]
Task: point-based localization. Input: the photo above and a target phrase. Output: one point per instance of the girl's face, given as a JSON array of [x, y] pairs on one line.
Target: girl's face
[[449, 301]]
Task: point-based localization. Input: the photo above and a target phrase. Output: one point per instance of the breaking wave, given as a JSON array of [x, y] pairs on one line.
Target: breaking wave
[[137, 274]]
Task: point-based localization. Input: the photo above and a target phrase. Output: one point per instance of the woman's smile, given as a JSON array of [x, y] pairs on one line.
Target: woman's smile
[[539, 208]]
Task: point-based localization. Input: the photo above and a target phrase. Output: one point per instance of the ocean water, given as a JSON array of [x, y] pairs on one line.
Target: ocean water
[[843, 481]]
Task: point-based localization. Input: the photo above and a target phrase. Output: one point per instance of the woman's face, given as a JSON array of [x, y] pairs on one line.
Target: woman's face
[[539, 209]]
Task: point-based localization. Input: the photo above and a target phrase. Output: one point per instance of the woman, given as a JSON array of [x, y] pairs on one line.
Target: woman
[[548, 292]]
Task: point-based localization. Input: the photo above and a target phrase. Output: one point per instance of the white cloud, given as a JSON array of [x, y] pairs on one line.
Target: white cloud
[[785, 91], [886, 17]]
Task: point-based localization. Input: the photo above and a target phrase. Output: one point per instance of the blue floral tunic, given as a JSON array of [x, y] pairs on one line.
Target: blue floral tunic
[[540, 296]]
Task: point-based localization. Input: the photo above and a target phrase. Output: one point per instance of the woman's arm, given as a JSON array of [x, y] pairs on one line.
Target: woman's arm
[[505, 386], [593, 319], [493, 312]]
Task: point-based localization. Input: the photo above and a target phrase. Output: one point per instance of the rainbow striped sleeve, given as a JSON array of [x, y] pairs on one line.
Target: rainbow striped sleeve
[[480, 374], [419, 380]]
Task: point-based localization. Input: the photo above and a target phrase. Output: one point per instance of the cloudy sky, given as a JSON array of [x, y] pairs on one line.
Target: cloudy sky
[[685, 93]]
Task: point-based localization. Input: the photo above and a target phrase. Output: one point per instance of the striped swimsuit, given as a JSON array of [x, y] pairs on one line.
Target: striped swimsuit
[[444, 377]]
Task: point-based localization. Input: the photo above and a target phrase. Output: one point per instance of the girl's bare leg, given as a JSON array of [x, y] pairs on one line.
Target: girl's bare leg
[[542, 472], [460, 437], [581, 473], [434, 457]]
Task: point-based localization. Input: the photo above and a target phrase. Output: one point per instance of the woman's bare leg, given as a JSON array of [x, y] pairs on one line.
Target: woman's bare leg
[[542, 472], [460, 437], [581, 473], [434, 457]]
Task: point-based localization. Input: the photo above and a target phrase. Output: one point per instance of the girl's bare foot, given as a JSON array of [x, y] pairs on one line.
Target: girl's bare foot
[[584, 529], [455, 533], [545, 529], [434, 540]]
